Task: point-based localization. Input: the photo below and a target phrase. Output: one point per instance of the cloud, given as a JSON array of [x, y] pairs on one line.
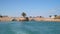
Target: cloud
[[54, 10]]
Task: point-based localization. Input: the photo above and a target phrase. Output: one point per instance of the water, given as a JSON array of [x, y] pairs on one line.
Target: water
[[29, 27]]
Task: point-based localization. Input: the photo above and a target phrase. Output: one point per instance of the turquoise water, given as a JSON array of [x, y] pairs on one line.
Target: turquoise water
[[29, 27]]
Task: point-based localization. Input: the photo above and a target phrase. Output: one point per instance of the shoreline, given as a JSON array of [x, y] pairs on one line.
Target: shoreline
[[30, 19]]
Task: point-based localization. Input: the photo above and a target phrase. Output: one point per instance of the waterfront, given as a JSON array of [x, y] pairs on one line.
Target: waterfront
[[29, 27]]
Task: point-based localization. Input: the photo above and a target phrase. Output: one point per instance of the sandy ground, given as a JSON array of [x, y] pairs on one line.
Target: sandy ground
[[21, 19]]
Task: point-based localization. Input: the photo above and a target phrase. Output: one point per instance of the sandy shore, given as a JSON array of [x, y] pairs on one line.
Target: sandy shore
[[21, 19], [47, 19]]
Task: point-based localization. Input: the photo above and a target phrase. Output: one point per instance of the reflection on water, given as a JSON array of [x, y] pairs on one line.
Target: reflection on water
[[31, 27]]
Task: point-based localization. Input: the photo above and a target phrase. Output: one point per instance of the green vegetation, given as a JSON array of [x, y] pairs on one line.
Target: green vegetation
[[24, 14], [50, 16], [57, 17], [41, 17], [1, 16]]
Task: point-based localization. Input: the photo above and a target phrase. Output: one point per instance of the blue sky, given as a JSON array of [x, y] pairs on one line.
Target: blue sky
[[30, 7]]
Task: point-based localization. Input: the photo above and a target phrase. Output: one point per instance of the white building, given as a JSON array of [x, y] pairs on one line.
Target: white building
[[52, 16]]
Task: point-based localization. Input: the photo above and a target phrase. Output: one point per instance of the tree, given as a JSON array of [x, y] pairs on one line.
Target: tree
[[24, 14], [55, 15], [40, 16], [50, 16], [1, 16], [30, 16]]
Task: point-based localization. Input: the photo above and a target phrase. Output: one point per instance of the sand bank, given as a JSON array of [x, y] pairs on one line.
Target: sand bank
[[21, 19]]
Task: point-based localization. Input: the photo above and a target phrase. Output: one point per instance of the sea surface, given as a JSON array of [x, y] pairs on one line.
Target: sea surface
[[30, 27]]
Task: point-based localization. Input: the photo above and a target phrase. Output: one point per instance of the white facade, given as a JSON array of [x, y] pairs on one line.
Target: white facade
[[52, 16]]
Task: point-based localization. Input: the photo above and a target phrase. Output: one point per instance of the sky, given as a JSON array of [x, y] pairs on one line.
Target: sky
[[30, 7]]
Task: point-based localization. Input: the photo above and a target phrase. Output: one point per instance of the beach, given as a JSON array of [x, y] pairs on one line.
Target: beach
[[30, 19]]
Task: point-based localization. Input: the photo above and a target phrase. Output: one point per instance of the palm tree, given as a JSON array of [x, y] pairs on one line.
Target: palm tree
[[55, 15], [24, 14], [50, 16]]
